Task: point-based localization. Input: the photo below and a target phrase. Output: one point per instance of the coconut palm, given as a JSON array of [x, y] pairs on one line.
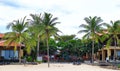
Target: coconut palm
[[19, 35], [36, 29], [92, 26], [49, 28], [113, 30]]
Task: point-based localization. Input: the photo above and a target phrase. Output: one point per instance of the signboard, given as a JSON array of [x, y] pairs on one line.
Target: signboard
[[39, 58]]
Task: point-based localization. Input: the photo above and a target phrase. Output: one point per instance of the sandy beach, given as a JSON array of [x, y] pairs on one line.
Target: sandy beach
[[53, 67]]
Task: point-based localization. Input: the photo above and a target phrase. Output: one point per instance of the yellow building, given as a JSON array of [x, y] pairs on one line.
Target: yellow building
[[105, 52]]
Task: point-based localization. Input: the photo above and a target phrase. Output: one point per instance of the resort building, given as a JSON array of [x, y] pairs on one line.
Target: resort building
[[9, 52], [105, 52]]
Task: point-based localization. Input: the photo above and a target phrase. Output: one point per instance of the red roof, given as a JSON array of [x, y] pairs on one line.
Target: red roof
[[1, 35], [2, 43]]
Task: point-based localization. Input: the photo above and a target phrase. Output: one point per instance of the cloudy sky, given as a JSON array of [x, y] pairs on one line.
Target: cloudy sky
[[70, 12]]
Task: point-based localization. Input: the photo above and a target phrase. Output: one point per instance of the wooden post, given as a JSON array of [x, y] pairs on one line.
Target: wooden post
[[103, 55], [108, 52]]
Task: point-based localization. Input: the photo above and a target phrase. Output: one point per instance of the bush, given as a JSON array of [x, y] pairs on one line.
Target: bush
[[29, 59], [118, 65]]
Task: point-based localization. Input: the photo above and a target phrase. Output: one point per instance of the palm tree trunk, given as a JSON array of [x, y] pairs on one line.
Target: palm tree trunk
[[38, 47], [48, 51], [115, 50], [93, 51], [20, 55]]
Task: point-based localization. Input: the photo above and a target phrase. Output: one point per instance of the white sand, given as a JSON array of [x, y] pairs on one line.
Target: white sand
[[53, 67]]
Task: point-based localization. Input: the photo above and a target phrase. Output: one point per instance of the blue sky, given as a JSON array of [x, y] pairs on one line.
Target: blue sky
[[70, 12]]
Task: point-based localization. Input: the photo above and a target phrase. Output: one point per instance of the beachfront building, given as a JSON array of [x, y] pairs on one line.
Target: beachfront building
[[103, 53], [8, 52]]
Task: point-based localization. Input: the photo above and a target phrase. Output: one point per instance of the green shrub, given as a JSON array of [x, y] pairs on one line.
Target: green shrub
[[118, 65], [22, 57], [29, 59]]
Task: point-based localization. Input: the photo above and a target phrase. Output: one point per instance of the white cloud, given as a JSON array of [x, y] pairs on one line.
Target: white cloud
[[70, 12]]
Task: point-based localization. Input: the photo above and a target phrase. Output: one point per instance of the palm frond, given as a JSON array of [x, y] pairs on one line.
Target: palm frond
[[9, 25], [87, 20], [84, 26], [86, 36], [108, 43], [83, 31]]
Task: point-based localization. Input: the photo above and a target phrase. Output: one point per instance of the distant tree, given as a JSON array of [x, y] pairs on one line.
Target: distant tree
[[53, 46], [70, 45], [66, 37]]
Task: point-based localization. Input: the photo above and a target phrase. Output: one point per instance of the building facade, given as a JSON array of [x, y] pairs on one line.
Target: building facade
[[105, 52]]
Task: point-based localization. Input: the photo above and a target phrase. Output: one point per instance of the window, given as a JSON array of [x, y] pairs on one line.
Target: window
[[118, 53], [9, 54]]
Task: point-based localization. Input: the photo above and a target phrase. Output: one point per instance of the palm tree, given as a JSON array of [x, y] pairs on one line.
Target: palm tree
[[92, 26], [113, 31], [19, 35], [49, 29], [37, 29]]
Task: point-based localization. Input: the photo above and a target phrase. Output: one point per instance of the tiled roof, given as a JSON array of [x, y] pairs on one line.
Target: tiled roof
[[1, 35], [2, 43]]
